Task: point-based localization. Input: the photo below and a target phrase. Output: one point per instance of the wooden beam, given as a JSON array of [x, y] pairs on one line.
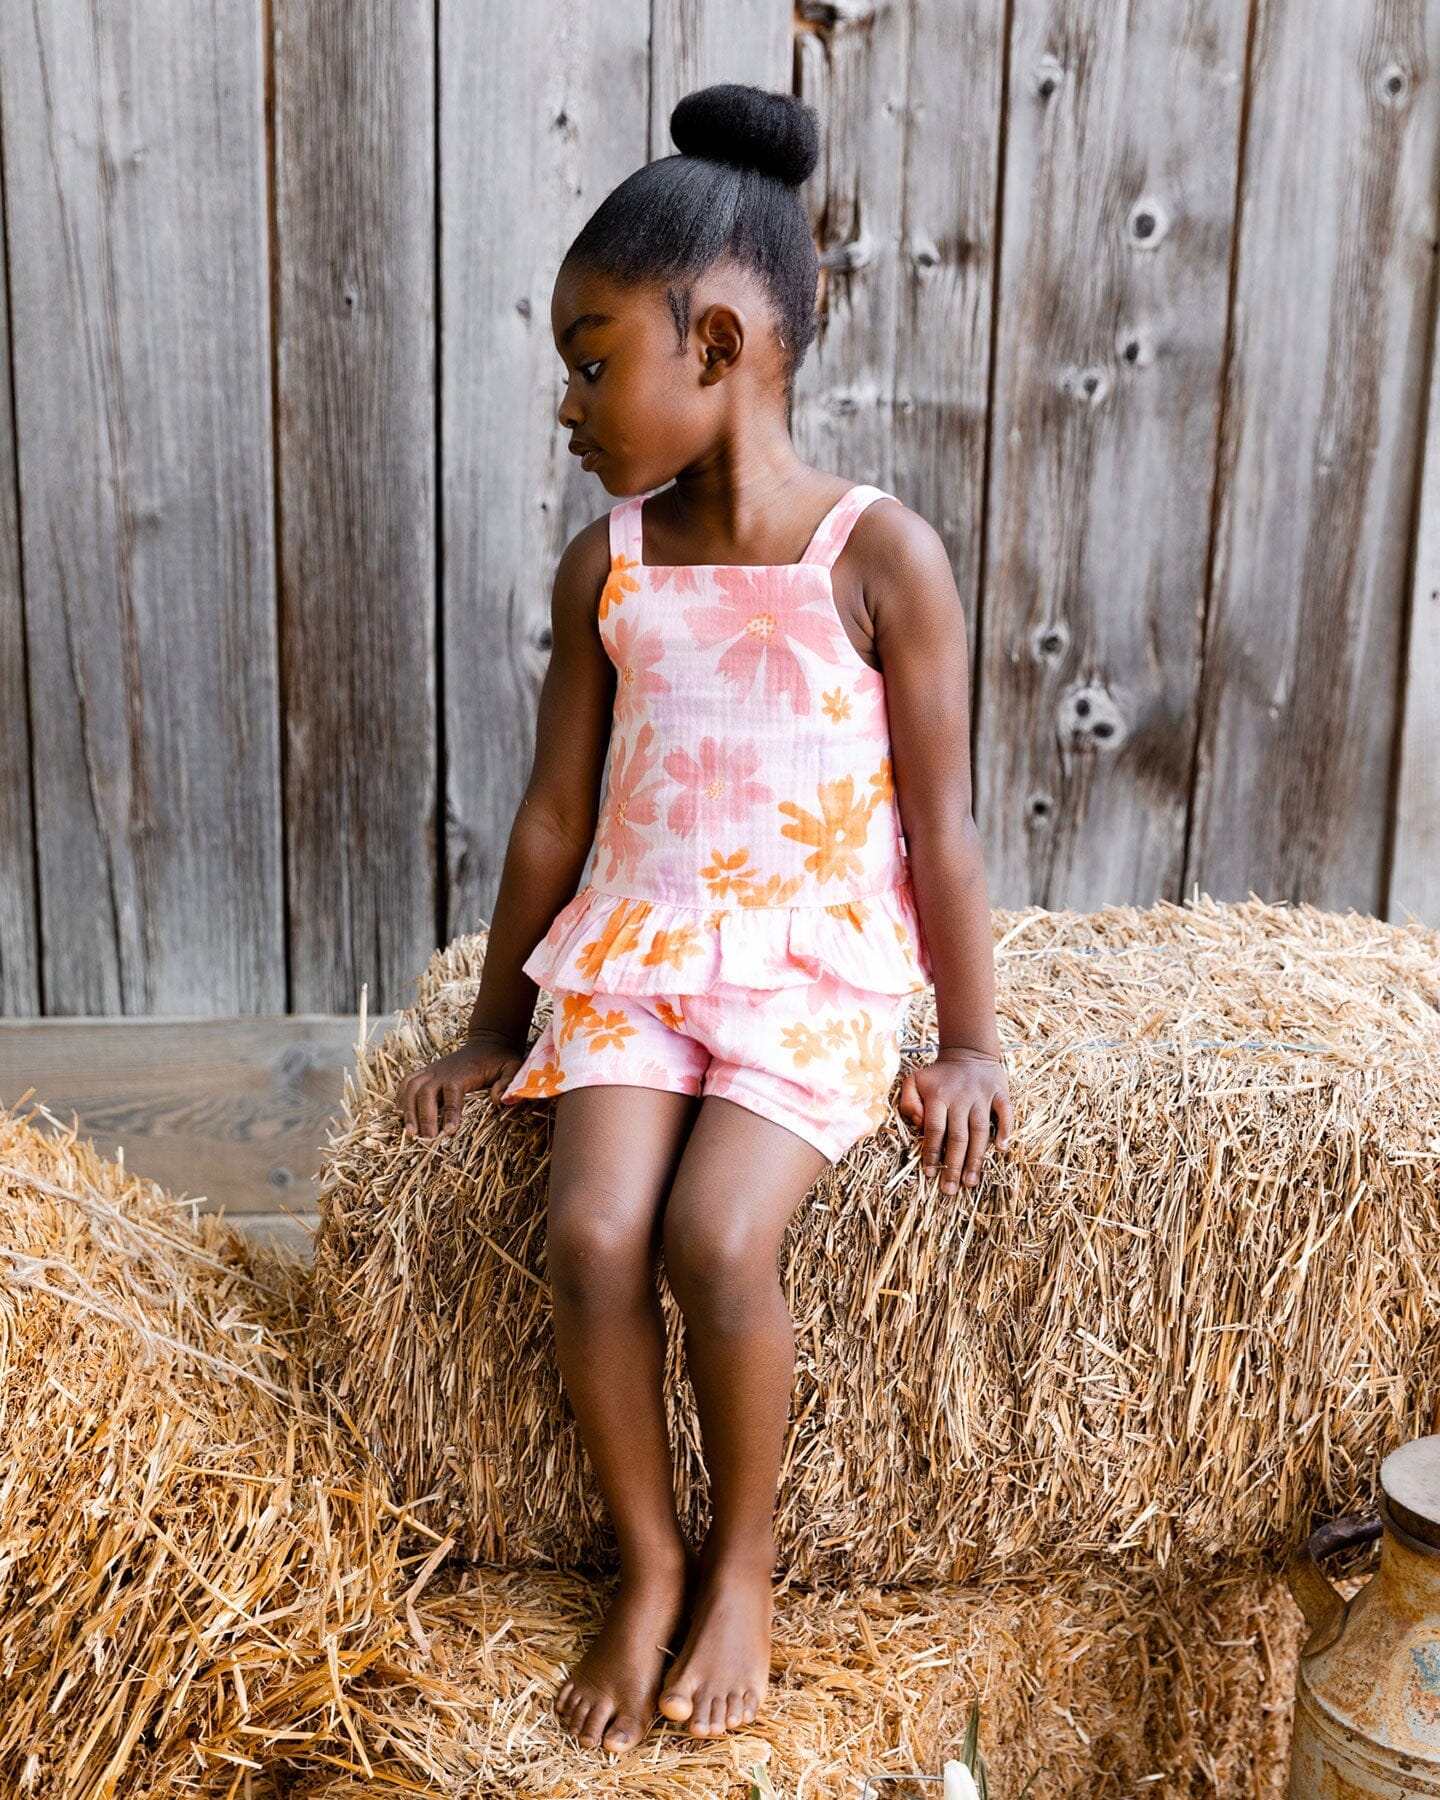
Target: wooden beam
[[232, 1111]]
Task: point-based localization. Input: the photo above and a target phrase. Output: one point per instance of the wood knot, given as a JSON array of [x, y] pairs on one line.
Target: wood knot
[[1047, 75], [1392, 85], [1089, 718], [1089, 386], [1148, 222]]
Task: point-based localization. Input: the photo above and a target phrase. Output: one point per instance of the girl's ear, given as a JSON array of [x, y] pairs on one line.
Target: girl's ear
[[720, 332]]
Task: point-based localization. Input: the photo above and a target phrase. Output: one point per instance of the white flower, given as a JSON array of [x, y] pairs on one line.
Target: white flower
[[959, 1783]]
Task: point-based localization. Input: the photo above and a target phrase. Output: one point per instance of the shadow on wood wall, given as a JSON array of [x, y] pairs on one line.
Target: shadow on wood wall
[[1134, 303]]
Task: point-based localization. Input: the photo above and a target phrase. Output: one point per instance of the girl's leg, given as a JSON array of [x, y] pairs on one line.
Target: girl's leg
[[613, 1153], [739, 1180]]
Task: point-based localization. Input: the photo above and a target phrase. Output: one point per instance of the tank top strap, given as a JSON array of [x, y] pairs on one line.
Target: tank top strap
[[625, 529], [833, 531]]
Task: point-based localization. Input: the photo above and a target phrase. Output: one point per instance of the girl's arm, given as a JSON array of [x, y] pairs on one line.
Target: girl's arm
[[554, 824], [548, 844], [921, 642]]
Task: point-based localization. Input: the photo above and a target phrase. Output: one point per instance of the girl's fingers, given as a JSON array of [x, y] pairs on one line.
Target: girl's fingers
[[979, 1141], [934, 1139], [955, 1143], [425, 1109], [1004, 1124], [450, 1093]]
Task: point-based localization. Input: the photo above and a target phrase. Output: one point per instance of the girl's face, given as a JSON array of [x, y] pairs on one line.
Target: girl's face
[[639, 406]]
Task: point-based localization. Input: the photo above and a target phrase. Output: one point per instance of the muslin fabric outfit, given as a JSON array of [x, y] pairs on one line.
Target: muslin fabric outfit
[[745, 925]]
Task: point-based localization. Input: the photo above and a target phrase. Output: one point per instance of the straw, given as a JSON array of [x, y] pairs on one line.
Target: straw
[[1192, 1307]]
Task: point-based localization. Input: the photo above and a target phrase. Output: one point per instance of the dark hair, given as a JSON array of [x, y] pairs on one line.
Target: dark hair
[[731, 190]]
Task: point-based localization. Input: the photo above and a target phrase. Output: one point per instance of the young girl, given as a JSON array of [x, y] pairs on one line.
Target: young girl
[[768, 665]]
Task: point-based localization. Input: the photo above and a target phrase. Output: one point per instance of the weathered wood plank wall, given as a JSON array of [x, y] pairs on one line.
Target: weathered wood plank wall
[[355, 330], [1122, 126], [1135, 302], [1323, 430], [138, 258], [542, 111]]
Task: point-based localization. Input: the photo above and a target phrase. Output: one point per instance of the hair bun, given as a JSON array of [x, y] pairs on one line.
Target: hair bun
[[749, 128]]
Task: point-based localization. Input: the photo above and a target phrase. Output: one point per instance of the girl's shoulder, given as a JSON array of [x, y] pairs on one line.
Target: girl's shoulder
[[584, 566]]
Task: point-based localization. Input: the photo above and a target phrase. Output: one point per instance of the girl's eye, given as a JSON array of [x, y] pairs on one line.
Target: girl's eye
[[585, 367]]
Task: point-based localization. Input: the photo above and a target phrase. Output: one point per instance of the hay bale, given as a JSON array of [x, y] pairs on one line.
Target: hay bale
[[1196, 1300], [203, 1590], [201, 1574], [1114, 1686]]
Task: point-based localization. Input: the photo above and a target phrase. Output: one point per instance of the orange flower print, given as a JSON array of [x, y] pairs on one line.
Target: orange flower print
[[621, 935], [577, 1014], [805, 1044], [618, 583], [775, 890], [671, 1015], [761, 613], [729, 875], [725, 875], [539, 1083], [614, 1030], [836, 705], [630, 800], [718, 779], [635, 653], [855, 912], [865, 1072], [836, 834], [673, 947], [903, 937], [882, 783]]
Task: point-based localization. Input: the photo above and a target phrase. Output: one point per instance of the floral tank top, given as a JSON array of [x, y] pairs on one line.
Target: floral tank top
[[748, 830]]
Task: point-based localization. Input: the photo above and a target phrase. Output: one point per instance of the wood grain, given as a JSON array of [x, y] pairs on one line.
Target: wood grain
[[543, 110], [20, 993], [268, 675], [1122, 131], [1337, 225], [355, 226], [1414, 873], [696, 42], [852, 64], [134, 161], [231, 1112]]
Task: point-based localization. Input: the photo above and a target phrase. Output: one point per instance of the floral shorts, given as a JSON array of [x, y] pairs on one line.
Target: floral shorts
[[820, 1058]]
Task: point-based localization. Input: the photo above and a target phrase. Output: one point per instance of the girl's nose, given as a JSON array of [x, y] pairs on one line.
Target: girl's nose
[[567, 412]]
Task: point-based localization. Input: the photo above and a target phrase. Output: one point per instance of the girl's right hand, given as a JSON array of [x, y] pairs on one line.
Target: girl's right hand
[[482, 1061]]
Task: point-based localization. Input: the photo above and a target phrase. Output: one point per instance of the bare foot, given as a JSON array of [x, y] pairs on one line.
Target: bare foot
[[610, 1695], [720, 1677]]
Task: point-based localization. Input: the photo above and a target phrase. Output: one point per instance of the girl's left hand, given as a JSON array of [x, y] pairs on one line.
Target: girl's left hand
[[951, 1100]]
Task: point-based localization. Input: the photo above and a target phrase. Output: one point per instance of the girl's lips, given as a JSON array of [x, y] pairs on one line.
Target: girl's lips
[[587, 458]]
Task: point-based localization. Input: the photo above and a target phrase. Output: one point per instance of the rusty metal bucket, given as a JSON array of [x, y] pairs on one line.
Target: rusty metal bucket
[[1367, 1695]]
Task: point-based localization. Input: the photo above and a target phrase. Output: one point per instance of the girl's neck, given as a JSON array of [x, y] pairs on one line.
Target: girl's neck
[[737, 494]]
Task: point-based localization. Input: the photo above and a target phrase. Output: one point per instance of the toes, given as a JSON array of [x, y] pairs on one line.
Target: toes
[[677, 1703], [590, 1722], [751, 1706], [734, 1708], [623, 1732], [703, 1721]]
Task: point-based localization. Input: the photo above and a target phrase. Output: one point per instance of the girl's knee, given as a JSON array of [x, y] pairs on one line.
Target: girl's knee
[[720, 1274], [595, 1254]]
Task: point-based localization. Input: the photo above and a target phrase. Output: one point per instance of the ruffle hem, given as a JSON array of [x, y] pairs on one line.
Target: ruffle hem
[[623, 944]]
